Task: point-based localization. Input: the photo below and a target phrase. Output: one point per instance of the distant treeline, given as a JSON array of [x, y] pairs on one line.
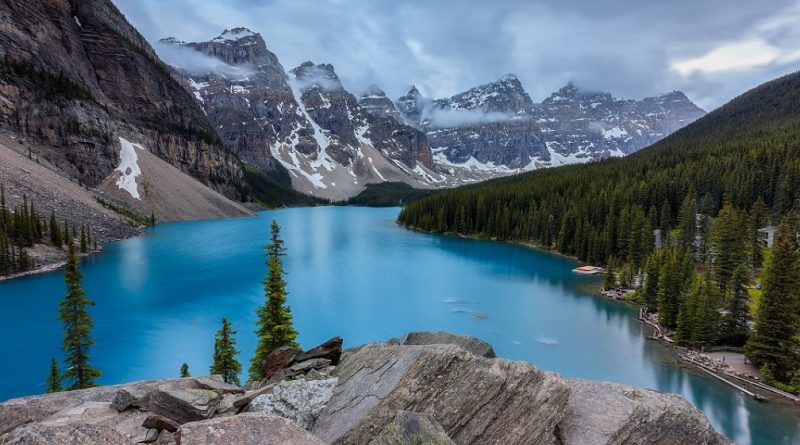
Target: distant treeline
[[22, 227]]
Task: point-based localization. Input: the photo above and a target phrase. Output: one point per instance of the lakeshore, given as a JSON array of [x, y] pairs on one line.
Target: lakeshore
[[724, 363]]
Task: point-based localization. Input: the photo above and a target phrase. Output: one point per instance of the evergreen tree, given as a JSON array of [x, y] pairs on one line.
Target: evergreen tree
[[651, 272], [611, 276], [274, 324], [55, 231], [224, 361], [54, 378], [673, 279], [84, 241], [687, 220], [728, 244], [185, 371], [77, 327], [773, 344], [735, 324], [759, 218], [687, 316], [707, 316]]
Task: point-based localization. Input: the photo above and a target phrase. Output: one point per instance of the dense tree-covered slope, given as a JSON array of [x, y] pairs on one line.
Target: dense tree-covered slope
[[274, 188], [388, 194], [747, 149]]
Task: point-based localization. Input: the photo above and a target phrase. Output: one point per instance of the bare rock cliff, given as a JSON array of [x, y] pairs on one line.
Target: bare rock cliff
[[75, 76]]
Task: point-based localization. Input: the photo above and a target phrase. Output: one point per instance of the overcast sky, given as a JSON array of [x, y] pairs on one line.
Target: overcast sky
[[712, 50]]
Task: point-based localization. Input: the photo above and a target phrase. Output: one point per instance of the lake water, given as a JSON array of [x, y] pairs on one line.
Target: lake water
[[351, 272]]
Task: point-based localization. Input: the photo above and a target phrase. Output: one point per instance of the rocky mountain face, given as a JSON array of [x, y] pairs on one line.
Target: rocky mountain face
[[76, 76], [431, 388], [304, 119], [333, 143], [497, 129]]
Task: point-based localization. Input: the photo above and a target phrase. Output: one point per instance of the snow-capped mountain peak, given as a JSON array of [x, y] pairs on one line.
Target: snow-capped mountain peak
[[235, 34], [505, 95]]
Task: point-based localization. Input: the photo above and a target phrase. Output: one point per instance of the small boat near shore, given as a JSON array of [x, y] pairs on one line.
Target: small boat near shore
[[588, 270]]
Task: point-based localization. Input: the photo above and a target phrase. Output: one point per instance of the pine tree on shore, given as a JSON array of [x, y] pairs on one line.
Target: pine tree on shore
[[54, 378], [735, 325], [274, 324], [652, 269], [707, 316], [673, 279], [611, 276], [773, 344], [224, 361], [84, 242], [77, 327], [759, 216], [55, 231], [185, 371], [728, 244], [687, 317]]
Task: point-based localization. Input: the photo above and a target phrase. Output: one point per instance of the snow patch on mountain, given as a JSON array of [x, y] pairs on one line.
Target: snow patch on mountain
[[235, 34], [128, 168]]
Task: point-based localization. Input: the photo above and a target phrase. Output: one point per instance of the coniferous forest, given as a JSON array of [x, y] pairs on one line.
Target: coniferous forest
[[22, 227], [677, 221]]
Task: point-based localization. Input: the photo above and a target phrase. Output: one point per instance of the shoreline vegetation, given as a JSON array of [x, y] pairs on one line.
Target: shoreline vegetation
[[694, 359]]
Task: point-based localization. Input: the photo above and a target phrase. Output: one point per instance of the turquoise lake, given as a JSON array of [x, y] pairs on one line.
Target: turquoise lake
[[352, 272]]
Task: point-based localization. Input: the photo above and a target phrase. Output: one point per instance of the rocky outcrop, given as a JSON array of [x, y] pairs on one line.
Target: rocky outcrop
[[330, 350], [476, 400], [76, 75], [471, 344], [379, 394], [607, 413], [298, 400], [395, 427], [246, 429], [65, 434]]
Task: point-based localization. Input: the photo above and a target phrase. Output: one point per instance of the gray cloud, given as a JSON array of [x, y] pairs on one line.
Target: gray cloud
[[449, 118], [631, 49], [198, 63], [317, 77]]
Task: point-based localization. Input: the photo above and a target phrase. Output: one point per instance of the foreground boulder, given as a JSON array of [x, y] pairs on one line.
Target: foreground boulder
[[475, 399], [397, 428], [246, 429], [471, 344], [17, 412], [478, 401], [602, 413], [36, 434], [287, 362], [278, 360], [298, 400], [331, 350]]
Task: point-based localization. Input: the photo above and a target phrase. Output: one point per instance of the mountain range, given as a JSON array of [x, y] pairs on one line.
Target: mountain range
[[83, 94], [333, 143]]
